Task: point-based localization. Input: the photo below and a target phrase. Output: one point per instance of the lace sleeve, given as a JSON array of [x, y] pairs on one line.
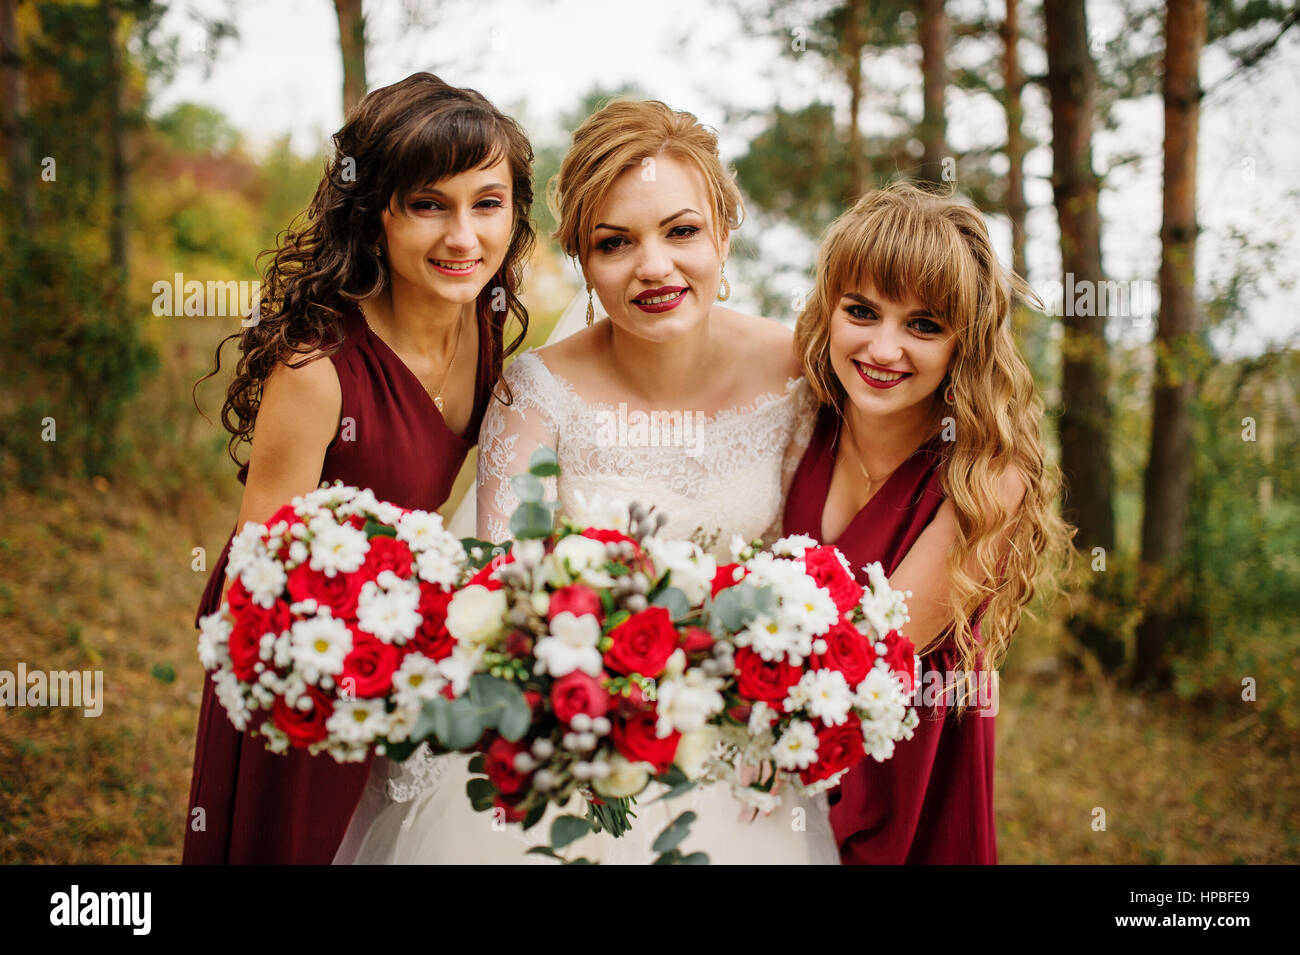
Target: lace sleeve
[[508, 437], [803, 418]]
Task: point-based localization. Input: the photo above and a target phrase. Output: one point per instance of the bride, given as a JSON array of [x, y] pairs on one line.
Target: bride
[[671, 400]]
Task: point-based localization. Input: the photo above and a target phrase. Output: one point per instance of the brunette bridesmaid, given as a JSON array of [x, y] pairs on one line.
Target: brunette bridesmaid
[[926, 456], [379, 344]]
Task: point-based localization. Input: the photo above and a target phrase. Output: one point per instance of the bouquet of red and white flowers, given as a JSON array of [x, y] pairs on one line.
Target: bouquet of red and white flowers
[[578, 659], [822, 677], [331, 636]]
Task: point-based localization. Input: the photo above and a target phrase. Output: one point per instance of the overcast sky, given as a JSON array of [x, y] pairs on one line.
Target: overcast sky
[[537, 58]]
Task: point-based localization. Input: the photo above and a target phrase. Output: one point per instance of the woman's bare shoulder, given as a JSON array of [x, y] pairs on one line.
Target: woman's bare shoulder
[[765, 345]]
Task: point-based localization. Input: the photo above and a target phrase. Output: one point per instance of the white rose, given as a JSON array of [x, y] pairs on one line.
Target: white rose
[[694, 749], [580, 553], [624, 778], [476, 614]]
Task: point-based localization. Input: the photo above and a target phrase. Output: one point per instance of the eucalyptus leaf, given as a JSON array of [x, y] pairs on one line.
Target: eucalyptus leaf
[[676, 831], [567, 829], [674, 601], [527, 488], [544, 463], [531, 521]]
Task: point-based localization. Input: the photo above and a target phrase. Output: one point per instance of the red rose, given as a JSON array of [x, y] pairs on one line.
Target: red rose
[[900, 654], [848, 651], [302, 728], [635, 738], [484, 578], [251, 624], [576, 693], [577, 600], [838, 747], [339, 592], [824, 567], [357, 521], [370, 665], [642, 643], [726, 577], [499, 764], [237, 597], [768, 681], [287, 514], [386, 553], [697, 640], [433, 639]]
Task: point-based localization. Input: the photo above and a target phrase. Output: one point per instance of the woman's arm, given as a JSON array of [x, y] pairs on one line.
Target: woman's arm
[[296, 420], [924, 570], [507, 439]]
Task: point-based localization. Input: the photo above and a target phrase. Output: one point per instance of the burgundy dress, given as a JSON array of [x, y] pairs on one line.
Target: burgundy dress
[[295, 808], [931, 803]]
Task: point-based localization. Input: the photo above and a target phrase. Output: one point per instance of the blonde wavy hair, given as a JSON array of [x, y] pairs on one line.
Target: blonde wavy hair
[[905, 241], [621, 136]]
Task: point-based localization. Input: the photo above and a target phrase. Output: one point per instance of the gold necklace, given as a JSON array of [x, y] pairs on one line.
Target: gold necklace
[[437, 395], [857, 457]]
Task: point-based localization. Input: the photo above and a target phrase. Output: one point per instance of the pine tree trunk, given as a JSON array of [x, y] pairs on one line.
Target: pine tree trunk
[[1169, 466], [352, 41], [851, 53], [119, 233], [932, 24], [1013, 80], [1085, 418]]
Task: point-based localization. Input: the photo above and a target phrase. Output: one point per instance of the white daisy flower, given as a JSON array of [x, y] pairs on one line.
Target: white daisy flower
[[247, 545], [357, 722], [320, 645], [825, 694], [420, 529], [264, 579], [389, 608], [797, 747], [336, 548]]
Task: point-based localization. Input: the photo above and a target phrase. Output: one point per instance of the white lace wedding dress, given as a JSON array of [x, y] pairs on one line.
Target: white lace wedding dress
[[732, 481]]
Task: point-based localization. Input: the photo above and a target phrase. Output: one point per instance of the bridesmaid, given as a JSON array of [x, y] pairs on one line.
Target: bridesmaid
[[926, 456], [403, 275]]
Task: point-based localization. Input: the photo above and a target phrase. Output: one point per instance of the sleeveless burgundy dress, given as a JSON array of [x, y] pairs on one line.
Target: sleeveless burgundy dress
[[263, 808], [932, 803]]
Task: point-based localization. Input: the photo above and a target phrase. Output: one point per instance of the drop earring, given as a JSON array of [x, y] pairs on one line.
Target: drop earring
[[724, 287], [591, 308]]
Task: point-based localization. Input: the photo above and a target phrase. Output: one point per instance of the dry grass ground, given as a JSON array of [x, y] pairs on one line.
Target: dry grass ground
[[90, 579]]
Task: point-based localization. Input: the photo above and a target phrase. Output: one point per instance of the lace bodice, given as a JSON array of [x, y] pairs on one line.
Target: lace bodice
[[714, 476]]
